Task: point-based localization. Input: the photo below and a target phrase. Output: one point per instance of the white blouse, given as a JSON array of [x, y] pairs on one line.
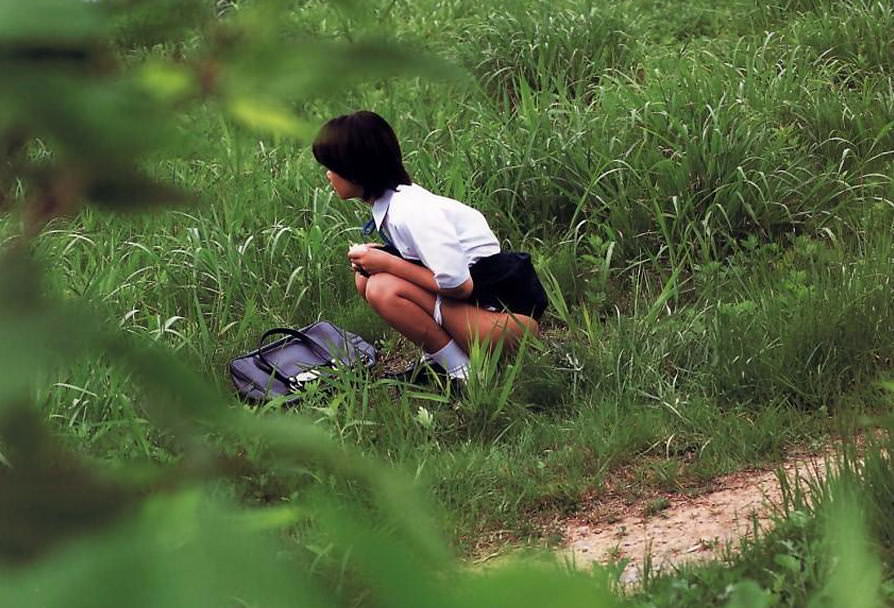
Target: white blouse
[[445, 235]]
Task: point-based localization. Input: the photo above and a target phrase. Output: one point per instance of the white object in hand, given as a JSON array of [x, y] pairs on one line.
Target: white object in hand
[[356, 249]]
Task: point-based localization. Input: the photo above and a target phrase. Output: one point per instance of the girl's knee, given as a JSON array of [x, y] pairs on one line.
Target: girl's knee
[[381, 288], [528, 325], [517, 327], [360, 284]]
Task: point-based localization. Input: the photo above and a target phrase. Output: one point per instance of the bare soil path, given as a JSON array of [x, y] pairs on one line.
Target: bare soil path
[[672, 530]]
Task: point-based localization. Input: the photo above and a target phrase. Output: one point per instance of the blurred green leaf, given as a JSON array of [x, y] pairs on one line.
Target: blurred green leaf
[[38, 335], [531, 584], [855, 575], [748, 594], [34, 336], [270, 118], [127, 191], [166, 80], [46, 495], [789, 562], [394, 498], [179, 550], [293, 69], [51, 21], [379, 559], [110, 121], [50, 37], [148, 22]]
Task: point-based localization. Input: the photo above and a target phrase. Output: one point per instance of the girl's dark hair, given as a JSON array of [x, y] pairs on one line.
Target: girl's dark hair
[[362, 148]]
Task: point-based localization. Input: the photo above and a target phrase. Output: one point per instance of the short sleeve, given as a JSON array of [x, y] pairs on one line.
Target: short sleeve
[[434, 238]]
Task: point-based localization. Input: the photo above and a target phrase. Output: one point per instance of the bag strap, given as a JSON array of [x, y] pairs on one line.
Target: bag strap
[[300, 335]]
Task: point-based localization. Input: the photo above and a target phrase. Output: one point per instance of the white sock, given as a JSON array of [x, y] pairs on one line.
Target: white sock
[[453, 359]]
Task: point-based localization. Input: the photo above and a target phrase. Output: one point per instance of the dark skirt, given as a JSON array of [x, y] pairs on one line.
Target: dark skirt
[[504, 281]]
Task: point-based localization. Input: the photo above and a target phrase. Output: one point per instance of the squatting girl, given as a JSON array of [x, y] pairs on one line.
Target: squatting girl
[[441, 279]]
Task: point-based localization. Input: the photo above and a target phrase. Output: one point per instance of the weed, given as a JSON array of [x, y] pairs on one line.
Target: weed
[[656, 506]]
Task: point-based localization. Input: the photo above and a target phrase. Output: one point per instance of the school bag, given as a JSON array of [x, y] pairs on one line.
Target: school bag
[[301, 356]]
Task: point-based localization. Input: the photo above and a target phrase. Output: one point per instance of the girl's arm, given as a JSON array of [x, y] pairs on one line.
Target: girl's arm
[[374, 260]]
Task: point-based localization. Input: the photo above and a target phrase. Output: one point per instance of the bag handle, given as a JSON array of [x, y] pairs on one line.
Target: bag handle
[[314, 346]]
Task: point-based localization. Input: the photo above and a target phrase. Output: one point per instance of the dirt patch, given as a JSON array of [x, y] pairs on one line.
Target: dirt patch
[[669, 530]]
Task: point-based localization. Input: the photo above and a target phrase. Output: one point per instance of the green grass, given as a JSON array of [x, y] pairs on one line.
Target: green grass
[[709, 205]]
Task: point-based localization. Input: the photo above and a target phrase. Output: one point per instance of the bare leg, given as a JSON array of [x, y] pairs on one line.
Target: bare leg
[[409, 309], [467, 322], [360, 284]]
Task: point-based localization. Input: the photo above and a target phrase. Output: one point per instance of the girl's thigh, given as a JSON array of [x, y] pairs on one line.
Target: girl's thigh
[[466, 323], [382, 286], [463, 321]]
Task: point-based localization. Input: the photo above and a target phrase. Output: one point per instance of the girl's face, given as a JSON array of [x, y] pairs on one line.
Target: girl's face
[[345, 189]]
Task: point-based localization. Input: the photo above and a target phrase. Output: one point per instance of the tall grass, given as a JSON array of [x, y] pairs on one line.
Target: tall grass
[[563, 49], [808, 334]]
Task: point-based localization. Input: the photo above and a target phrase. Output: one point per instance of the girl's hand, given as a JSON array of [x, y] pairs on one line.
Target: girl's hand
[[369, 258]]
